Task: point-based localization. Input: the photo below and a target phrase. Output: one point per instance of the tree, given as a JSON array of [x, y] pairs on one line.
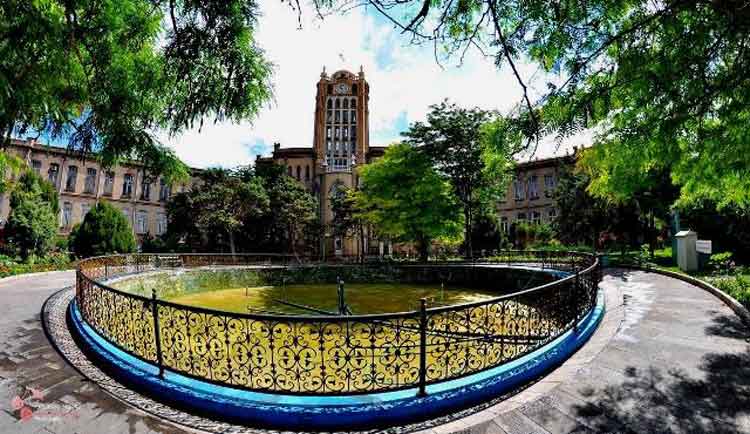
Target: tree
[[223, 201], [216, 208], [31, 226], [665, 83], [108, 74], [403, 197], [104, 230], [485, 234], [452, 139], [347, 221], [32, 222], [293, 210]]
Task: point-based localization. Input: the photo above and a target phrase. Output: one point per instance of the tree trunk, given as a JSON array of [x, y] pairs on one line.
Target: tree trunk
[[362, 243], [467, 233], [231, 242], [651, 235], [424, 250]]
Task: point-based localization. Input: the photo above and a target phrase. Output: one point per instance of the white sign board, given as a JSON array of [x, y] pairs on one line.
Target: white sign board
[[703, 246]]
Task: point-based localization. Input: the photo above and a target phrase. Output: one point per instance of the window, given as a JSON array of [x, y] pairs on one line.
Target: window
[[329, 116], [328, 132], [289, 170], [330, 103], [36, 165], [165, 190], [299, 173], [161, 224], [84, 210], [346, 103], [533, 187], [52, 173], [354, 90], [141, 222], [336, 133], [345, 117], [336, 119], [109, 182], [518, 189], [354, 101], [354, 132], [346, 132], [536, 217], [126, 213], [504, 225], [146, 189], [89, 185], [354, 116], [70, 181], [338, 104], [552, 214], [307, 173], [521, 217], [67, 215], [549, 185], [127, 185]]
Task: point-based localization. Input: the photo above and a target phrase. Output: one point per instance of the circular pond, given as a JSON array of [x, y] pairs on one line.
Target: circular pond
[[289, 291], [257, 339]]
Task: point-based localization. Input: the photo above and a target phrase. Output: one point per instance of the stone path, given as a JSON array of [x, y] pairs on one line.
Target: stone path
[[667, 358]]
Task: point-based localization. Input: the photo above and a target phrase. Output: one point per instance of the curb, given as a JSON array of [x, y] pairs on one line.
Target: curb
[[35, 274], [740, 310]]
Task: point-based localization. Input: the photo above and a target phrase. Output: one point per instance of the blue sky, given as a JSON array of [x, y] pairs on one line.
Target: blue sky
[[404, 80]]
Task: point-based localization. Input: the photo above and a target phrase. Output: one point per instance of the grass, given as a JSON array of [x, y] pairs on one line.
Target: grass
[[362, 298], [10, 266]]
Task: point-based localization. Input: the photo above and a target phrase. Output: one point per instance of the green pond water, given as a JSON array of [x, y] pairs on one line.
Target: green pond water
[[243, 293]]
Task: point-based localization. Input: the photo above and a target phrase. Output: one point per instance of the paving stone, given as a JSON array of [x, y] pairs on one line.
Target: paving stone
[[517, 423]]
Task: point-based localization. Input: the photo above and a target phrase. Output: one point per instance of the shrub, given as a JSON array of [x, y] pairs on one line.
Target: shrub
[[720, 261], [32, 226], [32, 223], [738, 287], [104, 230]]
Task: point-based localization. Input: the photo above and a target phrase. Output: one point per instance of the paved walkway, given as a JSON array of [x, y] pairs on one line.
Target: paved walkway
[[668, 358]]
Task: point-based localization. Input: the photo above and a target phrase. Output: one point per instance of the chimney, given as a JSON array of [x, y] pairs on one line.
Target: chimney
[[276, 146]]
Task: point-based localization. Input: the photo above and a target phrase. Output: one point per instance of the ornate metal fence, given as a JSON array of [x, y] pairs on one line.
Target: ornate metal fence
[[333, 354]]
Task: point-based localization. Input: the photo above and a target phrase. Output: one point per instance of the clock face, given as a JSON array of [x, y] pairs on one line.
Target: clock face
[[341, 88]]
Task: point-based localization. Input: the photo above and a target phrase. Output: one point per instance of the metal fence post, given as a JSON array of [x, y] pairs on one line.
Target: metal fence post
[[157, 336], [576, 298], [422, 347]]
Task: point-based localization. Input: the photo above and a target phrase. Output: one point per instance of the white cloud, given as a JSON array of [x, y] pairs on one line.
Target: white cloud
[[403, 84]]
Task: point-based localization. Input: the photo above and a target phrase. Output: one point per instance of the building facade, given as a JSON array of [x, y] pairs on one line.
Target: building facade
[[81, 183], [530, 195], [341, 142]]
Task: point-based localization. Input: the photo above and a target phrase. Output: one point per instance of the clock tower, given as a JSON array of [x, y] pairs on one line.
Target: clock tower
[[341, 141], [341, 136]]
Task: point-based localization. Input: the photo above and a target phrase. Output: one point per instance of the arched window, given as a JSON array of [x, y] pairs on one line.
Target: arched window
[[346, 103], [307, 172], [338, 102], [299, 173], [330, 103], [354, 103]]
